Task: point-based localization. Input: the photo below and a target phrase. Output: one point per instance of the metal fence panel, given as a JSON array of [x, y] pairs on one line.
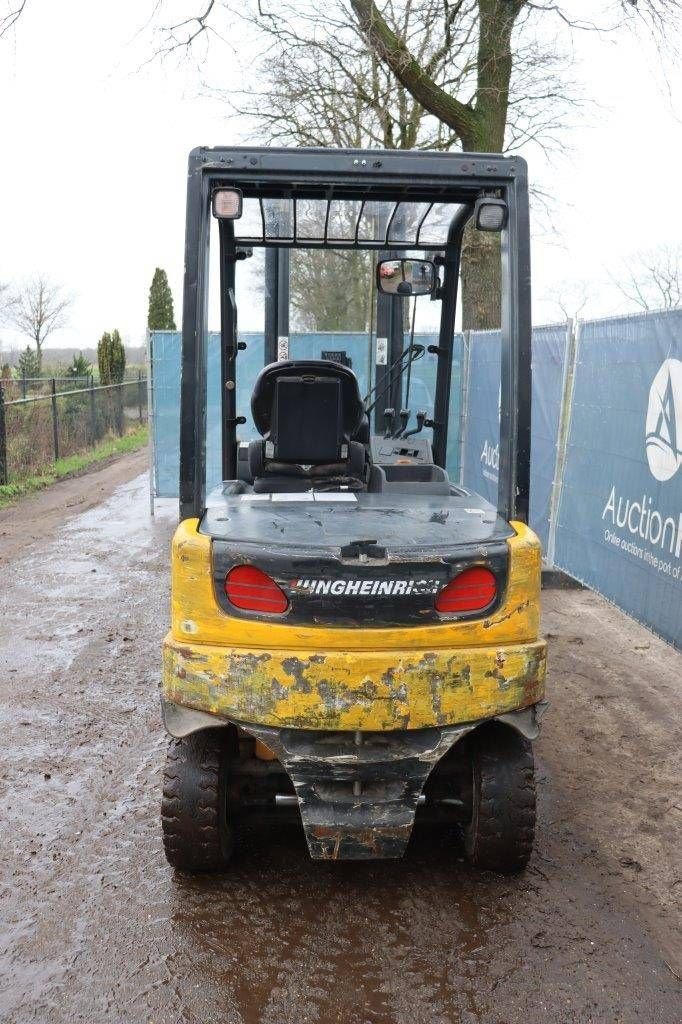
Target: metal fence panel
[[619, 527], [164, 372], [548, 362], [53, 424], [481, 431]]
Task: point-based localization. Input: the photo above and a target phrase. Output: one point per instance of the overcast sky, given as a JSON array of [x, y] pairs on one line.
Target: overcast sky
[[94, 144]]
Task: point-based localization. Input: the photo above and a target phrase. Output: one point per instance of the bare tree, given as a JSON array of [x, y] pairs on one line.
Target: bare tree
[[326, 83], [482, 75], [321, 86], [37, 309], [510, 77], [330, 290], [4, 294], [13, 11], [653, 280], [4, 299], [502, 51], [571, 298]]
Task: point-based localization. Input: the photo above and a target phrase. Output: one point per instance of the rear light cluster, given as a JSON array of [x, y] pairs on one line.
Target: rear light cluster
[[252, 590], [472, 591]]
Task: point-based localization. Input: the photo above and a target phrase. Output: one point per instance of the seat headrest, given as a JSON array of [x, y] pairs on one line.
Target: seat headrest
[[262, 399]]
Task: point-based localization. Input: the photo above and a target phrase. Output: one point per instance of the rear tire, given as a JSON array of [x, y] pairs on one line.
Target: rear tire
[[500, 835], [194, 814]]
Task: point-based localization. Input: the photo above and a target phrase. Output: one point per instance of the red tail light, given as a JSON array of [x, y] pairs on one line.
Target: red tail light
[[252, 590], [471, 591]]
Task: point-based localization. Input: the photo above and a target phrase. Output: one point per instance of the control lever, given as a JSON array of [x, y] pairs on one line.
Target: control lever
[[389, 416], [404, 417], [421, 418]]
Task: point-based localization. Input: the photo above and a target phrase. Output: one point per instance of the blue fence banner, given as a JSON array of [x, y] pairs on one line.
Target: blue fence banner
[[164, 374], [481, 429], [549, 368], [619, 526]]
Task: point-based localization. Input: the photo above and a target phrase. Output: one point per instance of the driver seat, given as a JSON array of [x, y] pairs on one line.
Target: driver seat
[[307, 412]]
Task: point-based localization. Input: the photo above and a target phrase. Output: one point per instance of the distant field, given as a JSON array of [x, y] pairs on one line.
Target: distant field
[[54, 357]]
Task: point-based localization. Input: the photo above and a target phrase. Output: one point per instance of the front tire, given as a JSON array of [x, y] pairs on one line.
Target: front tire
[[197, 836], [500, 835]]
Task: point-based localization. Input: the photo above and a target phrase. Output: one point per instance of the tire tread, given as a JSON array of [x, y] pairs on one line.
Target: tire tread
[[501, 834], [196, 835]]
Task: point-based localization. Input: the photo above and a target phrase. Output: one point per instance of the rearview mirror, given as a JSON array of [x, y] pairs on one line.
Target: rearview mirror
[[406, 277]]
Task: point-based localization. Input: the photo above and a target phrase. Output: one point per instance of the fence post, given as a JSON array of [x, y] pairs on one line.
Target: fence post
[[119, 408], [3, 438], [93, 415], [139, 392], [570, 365], [23, 385], [55, 424]]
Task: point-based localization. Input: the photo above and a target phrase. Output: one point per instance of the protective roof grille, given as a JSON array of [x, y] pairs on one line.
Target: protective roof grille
[[339, 221]]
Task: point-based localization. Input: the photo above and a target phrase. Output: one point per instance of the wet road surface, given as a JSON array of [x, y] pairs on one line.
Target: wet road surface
[[96, 927]]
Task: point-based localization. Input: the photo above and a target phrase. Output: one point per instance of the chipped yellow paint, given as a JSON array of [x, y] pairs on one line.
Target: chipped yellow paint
[[375, 690], [324, 677]]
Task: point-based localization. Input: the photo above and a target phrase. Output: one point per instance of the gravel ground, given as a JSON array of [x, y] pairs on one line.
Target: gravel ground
[[96, 927]]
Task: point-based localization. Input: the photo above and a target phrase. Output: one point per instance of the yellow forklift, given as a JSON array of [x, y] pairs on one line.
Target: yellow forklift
[[354, 636]]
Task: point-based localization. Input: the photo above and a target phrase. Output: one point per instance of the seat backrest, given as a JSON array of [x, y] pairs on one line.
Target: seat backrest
[[307, 410]]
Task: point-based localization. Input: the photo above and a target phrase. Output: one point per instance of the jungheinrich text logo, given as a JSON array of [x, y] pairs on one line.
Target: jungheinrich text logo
[[365, 587]]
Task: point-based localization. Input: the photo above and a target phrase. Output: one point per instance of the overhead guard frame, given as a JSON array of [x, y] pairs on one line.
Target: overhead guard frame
[[414, 176]]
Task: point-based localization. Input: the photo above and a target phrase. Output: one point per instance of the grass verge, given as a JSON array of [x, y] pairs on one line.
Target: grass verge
[[72, 465]]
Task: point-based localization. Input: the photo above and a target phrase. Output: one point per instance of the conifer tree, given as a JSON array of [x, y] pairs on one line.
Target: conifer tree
[[160, 317], [118, 358], [29, 363], [111, 358], [103, 353]]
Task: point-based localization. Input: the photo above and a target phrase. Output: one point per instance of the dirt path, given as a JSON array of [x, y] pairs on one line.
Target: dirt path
[[40, 515], [95, 927]]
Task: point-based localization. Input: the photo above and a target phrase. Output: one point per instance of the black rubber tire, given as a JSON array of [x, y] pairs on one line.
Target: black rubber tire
[[197, 836], [500, 834]]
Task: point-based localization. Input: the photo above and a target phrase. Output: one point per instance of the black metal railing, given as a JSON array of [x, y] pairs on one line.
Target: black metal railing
[[24, 387], [37, 430]]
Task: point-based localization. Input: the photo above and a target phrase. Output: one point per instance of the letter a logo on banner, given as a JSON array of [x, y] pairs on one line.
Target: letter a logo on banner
[[664, 421]]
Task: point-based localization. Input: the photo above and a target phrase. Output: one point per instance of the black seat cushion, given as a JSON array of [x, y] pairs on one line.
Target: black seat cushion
[[273, 476]]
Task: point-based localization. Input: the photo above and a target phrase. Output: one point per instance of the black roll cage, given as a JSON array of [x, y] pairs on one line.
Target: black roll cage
[[393, 175]]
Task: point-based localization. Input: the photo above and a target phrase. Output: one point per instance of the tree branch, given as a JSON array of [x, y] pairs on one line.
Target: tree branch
[[395, 54], [653, 280], [7, 21]]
